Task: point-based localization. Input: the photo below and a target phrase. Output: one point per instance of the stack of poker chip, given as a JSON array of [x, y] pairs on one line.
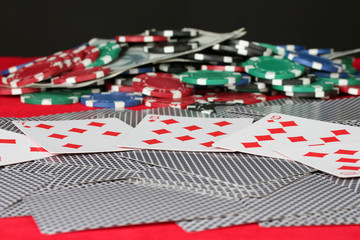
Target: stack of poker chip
[[235, 71]]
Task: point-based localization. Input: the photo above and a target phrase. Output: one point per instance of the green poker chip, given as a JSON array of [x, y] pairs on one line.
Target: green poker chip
[[49, 98], [351, 81], [207, 77], [317, 86], [79, 91], [276, 49], [273, 67], [108, 52]]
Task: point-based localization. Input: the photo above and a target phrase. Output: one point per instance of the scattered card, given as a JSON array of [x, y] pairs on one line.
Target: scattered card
[[17, 148], [76, 136], [182, 133], [339, 159], [279, 130]]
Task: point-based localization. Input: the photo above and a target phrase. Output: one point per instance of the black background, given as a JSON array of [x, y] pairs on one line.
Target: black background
[[36, 28]]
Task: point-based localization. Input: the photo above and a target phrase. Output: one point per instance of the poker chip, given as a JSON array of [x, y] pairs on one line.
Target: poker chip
[[207, 107], [293, 81], [236, 97], [108, 52], [138, 70], [176, 33], [162, 85], [36, 72], [242, 42], [79, 91], [171, 47], [291, 47], [116, 100], [351, 81], [330, 74], [81, 75], [317, 86], [315, 62], [166, 102], [121, 85], [175, 68], [18, 91], [353, 90], [140, 39], [205, 77], [278, 50], [49, 98], [90, 54], [240, 50], [317, 51], [273, 67], [250, 86], [212, 57], [245, 79], [13, 69], [319, 94], [223, 68]]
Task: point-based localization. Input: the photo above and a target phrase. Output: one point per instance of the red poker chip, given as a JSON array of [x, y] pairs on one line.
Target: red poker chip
[[140, 39], [18, 91], [352, 90], [236, 97], [223, 68], [163, 85], [90, 54], [175, 103], [34, 73], [81, 75], [119, 88]]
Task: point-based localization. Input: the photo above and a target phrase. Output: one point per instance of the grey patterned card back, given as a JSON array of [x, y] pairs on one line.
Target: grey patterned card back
[[70, 175], [119, 204], [235, 168], [308, 195], [340, 217], [18, 209], [15, 185], [331, 110], [222, 112], [179, 180]]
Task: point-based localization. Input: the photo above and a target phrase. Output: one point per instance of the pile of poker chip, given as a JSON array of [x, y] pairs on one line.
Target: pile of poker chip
[[235, 71]]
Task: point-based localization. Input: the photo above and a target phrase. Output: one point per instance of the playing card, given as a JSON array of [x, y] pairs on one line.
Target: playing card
[[339, 159], [308, 195], [120, 204], [282, 131], [76, 136], [16, 148], [182, 133]]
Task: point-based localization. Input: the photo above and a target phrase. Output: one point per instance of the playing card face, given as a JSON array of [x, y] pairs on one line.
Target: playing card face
[[339, 159], [182, 133], [282, 131], [16, 148], [76, 136]]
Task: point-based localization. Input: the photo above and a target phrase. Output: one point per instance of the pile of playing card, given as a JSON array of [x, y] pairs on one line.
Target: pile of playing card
[[107, 168]]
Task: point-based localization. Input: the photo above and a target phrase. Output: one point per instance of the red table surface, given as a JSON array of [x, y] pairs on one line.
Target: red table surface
[[25, 227]]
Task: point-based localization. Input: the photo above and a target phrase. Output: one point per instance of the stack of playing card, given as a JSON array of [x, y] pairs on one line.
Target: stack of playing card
[[107, 168]]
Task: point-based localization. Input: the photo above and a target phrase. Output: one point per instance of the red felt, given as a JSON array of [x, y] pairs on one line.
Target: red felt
[[25, 228]]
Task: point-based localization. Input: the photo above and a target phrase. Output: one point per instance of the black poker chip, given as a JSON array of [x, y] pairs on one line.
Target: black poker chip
[[206, 57], [177, 67], [208, 107], [240, 50], [171, 47], [245, 43], [174, 33], [320, 94], [293, 81]]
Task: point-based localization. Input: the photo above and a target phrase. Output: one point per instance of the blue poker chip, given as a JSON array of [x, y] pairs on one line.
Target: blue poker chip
[[291, 47], [331, 74], [139, 70], [116, 100], [315, 62], [14, 68], [317, 51], [357, 74], [245, 79]]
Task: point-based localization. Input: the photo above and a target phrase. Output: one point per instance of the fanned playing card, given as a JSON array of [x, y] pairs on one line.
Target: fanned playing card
[[282, 131], [16, 148], [76, 136], [339, 159], [182, 133]]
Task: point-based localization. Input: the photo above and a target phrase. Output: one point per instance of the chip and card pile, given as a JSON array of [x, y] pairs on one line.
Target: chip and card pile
[[214, 150]]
